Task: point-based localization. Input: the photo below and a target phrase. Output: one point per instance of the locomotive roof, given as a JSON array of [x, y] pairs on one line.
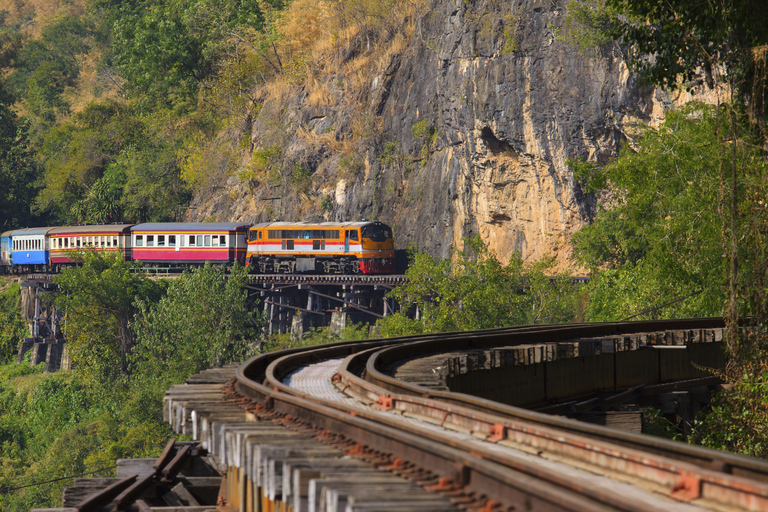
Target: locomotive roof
[[91, 228], [190, 226], [6, 234], [29, 231], [307, 225]]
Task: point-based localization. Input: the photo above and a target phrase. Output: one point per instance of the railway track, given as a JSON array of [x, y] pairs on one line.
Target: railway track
[[330, 428]]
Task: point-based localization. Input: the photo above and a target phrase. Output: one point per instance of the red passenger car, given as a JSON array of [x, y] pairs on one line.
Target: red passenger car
[[189, 243], [65, 242]]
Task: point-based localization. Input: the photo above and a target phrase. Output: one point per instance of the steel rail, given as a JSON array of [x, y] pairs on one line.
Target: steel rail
[[443, 459], [561, 438], [737, 465], [683, 479]]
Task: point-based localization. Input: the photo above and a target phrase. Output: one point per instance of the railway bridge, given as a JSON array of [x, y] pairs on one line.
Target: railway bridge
[[292, 303], [456, 421]]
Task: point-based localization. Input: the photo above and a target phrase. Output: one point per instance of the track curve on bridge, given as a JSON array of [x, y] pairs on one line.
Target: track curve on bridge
[[453, 450]]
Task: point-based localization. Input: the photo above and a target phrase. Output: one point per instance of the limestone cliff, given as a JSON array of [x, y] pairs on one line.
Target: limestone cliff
[[466, 128]]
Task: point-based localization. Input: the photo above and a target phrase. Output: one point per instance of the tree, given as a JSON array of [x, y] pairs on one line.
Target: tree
[[170, 48], [662, 238], [46, 66], [473, 290], [108, 164], [18, 170], [674, 41], [203, 321], [99, 298], [12, 326]]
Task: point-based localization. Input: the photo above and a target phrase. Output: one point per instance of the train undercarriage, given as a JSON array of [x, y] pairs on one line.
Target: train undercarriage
[[346, 265]]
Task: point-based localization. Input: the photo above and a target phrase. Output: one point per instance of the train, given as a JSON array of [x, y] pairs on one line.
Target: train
[[365, 247]]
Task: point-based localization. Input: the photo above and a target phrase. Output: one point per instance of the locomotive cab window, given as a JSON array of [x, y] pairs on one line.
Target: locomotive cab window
[[377, 233], [353, 236]]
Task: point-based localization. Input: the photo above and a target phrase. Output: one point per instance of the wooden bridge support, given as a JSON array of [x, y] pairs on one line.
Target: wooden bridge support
[[47, 343], [298, 307]]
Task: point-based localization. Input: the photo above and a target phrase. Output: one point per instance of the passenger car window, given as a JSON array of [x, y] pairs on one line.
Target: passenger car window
[[139, 240]]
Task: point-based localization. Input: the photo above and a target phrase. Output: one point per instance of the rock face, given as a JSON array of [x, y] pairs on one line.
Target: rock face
[[474, 120]]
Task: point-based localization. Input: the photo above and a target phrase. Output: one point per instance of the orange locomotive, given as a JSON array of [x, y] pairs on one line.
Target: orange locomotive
[[324, 247]]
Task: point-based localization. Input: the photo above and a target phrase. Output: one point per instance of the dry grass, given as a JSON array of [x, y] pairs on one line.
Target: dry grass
[[325, 139], [302, 25], [318, 94], [277, 88]]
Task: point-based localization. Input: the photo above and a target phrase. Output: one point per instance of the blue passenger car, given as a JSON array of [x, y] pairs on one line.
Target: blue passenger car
[[29, 248]]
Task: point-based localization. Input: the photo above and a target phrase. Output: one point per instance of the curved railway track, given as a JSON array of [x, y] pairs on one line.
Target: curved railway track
[[303, 429]]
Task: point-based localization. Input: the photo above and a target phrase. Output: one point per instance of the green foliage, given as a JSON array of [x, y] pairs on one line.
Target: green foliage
[[12, 326], [588, 25], [18, 169], [301, 178], [655, 424], [511, 43], [350, 166], [326, 204], [45, 67], [99, 299], [662, 238], [736, 419], [168, 49], [475, 291], [318, 336], [108, 165], [394, 158], [686, 38], [52, 426], [424, 132], [264, 166], [77, 422], [201, 322]]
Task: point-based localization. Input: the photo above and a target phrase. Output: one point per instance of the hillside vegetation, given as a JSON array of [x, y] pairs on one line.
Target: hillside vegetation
[[121, 111]]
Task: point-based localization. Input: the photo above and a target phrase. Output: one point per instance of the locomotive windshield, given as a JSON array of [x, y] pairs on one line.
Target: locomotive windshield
[[377, 233]]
